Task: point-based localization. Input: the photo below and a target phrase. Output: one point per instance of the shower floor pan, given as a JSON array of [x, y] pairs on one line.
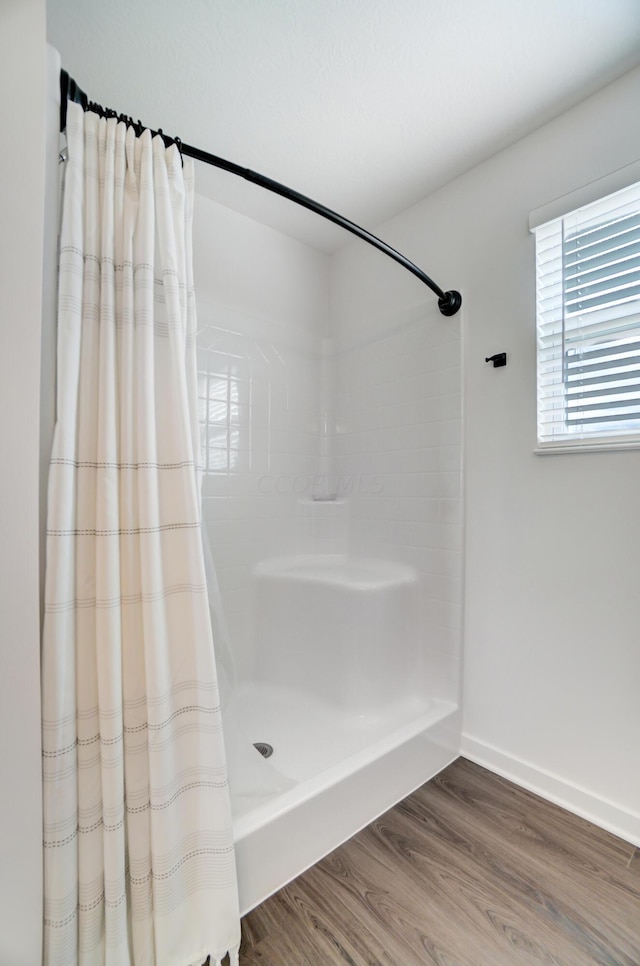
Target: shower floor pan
[[340, 690], [330, 774]]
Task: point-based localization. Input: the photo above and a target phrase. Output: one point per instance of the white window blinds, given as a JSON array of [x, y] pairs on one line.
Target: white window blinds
[[588, 316]]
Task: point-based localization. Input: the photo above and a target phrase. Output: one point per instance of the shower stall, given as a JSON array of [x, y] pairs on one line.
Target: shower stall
[[333, 531], [332, 504]]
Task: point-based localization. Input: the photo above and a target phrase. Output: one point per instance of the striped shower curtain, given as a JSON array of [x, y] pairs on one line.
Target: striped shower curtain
[[139, 860]]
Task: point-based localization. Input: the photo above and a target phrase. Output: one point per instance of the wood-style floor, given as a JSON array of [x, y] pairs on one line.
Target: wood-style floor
[[470, 870]]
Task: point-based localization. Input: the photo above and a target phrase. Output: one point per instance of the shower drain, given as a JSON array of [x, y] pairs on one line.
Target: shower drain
[[265, 749]]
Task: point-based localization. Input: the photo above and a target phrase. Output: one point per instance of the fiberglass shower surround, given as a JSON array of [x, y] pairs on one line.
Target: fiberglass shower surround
[[344, 614], [341, 614]]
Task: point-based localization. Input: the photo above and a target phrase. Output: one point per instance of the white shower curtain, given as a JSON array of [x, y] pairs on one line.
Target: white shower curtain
[[139, 860]]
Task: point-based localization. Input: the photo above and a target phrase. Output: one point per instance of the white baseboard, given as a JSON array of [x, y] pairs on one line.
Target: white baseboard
[[618, 821]]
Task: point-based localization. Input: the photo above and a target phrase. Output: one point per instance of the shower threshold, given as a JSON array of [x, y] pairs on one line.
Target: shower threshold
[[332, 772]]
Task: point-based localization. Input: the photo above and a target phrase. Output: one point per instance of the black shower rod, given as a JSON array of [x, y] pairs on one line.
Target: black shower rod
[[448, 302]]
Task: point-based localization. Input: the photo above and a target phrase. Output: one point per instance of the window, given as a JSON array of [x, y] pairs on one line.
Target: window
[[218, 408], [588, 321]]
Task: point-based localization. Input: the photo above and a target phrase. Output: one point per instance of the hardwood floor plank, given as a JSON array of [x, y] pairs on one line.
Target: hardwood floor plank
[[315, 908], [369, 899], [470, 870], [543, 882], [570, 857], [519, 810], [482, 908]]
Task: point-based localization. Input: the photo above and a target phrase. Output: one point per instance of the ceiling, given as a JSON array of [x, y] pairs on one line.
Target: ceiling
[[364, 105]]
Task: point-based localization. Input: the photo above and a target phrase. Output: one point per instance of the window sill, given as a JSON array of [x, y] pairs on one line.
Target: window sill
[[602, 446]]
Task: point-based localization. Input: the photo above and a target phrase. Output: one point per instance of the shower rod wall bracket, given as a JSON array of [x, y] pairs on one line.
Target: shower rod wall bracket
[[448, 302]]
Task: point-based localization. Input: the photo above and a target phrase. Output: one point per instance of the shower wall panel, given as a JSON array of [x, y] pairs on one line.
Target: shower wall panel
[[290, 409], [261, 299], [398, 453]]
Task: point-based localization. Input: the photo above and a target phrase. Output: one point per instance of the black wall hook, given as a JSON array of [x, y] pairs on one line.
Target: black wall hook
[[498, 359]]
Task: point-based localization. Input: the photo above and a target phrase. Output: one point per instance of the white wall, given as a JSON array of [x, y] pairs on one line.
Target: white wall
[[22, 79], [262, 310], [552, 610]]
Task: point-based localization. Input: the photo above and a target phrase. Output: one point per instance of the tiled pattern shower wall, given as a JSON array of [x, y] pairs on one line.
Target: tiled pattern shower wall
[[261, 302], [258, 387], [290, 410], [398, 460]]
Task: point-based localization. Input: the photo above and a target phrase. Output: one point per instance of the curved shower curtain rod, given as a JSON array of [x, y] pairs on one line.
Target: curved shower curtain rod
[[448, 302]]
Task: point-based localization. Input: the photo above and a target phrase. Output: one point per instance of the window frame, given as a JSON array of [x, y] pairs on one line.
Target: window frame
[[542, 218]]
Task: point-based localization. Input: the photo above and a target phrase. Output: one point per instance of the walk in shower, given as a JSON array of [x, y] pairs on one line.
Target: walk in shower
[[333, 510]]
